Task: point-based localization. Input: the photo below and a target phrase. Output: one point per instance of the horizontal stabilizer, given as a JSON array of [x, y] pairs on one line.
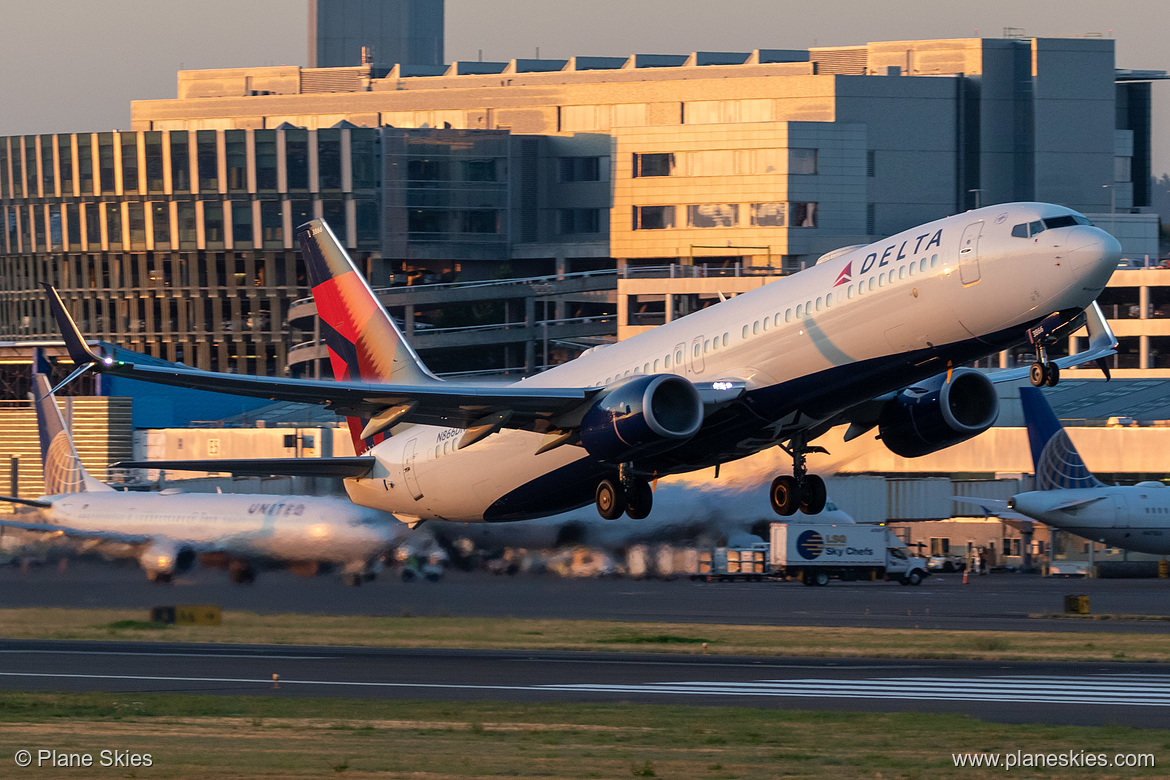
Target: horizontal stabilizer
[[291, 467], [27, 502]]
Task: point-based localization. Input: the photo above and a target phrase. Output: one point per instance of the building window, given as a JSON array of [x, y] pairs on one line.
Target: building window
[[272, 224], [73, 216], [187, 228], [940, 545], [364, 157], [85, 163], [579, 221], [207, 160], [427, 169], [870, 163], [65, 152], [804, 214], [802, 161], [333, 212], [479, 221], [47, 175], [105, 163], [659, 164], [235, 143], [366, 223], [768, 214], [653, 217], [329, 159], [479, 170], [301, 211], [160, 214], [870, 218], [266, 160], [180, 161], [1122, 169], [136, 225], [130, 164], [153, 151], [713, 215], [4, 182], [426, 221], [54, 227], [242, 235], [213, 224], [93, 226], [113, 224], [296, 148], [580, 169]]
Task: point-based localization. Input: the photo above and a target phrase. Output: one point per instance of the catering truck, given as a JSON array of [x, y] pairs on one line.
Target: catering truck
[[816, 553]]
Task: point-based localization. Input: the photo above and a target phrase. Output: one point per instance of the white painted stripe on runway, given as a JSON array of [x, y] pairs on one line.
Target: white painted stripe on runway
[[265, 681], [132, 654]]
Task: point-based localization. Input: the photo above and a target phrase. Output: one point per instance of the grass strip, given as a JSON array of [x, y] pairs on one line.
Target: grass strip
[[245, 737], [591, 635]]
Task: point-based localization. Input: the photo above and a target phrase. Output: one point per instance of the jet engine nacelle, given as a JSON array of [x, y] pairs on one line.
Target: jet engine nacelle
[[163, 559], [644, 416], [936, 413]]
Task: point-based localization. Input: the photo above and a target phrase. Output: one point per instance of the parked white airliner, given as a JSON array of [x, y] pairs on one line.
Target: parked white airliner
[[1069, 497], [869, 336], [168, 532]]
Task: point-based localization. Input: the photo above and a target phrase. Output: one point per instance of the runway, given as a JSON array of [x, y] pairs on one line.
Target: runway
[[1080, 694], [992, 602]]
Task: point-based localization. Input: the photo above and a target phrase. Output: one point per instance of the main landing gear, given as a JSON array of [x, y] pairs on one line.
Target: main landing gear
[[802, 490], [627, 494]]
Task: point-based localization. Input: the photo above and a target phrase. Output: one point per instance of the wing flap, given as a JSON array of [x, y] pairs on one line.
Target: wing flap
[[77, 533]]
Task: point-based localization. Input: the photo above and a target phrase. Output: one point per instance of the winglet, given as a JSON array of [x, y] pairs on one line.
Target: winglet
[[79, 351]]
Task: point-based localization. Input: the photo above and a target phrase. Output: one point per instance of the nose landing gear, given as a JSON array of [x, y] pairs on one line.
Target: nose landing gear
[[802, 490], [1043, 371]]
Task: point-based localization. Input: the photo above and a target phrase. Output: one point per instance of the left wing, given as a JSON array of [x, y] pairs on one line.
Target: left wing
[[293, 467], [77, 533], [438, 403]]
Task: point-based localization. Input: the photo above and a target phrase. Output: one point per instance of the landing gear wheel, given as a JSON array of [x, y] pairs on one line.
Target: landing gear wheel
[[1037, 374], [813, 495], [640, 500], [611, 499], [1051, 374], [785, 495]]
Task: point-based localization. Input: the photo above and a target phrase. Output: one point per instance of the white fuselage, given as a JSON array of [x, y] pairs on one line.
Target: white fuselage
[[1132, 517], [913, 292], [290, 529]]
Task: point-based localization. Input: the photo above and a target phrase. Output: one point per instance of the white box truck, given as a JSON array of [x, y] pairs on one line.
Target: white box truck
[[816, 553]]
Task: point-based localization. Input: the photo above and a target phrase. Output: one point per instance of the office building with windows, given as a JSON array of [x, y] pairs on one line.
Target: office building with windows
[[175, 237]]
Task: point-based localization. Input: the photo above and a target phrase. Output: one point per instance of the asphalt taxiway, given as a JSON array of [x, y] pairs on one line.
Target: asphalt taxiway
[[1013, 692], [992, 602]]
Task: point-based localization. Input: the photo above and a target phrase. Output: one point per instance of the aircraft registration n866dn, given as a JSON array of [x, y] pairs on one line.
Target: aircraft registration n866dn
[[871, 336]]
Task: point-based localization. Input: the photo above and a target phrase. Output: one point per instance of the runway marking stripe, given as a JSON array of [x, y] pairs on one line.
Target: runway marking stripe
[[135, 654]]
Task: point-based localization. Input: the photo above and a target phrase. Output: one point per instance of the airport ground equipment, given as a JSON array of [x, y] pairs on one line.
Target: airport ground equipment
[[814, 554], [732, 563]]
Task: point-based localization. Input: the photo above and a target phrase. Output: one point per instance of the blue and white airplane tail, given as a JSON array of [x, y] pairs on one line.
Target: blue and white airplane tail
[[1057, 463], [62, 465]]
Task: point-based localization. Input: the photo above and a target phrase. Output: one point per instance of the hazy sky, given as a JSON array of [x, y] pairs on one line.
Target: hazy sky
[[73, 65]]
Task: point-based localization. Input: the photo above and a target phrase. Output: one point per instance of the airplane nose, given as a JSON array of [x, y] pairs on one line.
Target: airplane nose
[[1092, 248]]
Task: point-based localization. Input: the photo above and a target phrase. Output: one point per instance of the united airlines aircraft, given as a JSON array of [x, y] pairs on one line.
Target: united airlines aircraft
[[871, 336], [1069, 497], [168, 532]]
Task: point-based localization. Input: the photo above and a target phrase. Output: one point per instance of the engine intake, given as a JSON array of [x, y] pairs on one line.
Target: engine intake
[[643, 416], [937, 414], [166, 558]]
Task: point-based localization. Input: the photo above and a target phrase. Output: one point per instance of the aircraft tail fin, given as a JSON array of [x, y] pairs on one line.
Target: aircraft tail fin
[[1056, 461], [64, 472], [362, 339]]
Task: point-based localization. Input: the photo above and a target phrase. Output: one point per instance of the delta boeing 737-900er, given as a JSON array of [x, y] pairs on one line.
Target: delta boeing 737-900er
[[871, 336]]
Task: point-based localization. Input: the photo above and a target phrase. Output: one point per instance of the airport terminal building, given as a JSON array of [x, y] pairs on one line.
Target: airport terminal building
[[174, 238]]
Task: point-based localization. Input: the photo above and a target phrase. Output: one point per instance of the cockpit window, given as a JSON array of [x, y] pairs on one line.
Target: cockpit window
[[1020, 231], [1028, 229], [1066, 220]]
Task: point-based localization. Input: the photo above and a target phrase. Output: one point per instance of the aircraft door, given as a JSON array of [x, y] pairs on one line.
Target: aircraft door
[[969, 253], [408, 465], [697, 355]]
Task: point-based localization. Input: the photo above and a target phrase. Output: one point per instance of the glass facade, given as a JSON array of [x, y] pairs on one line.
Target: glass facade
[[176, 212]]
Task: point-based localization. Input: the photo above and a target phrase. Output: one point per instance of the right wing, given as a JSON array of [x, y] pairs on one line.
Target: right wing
[[438, 403]]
